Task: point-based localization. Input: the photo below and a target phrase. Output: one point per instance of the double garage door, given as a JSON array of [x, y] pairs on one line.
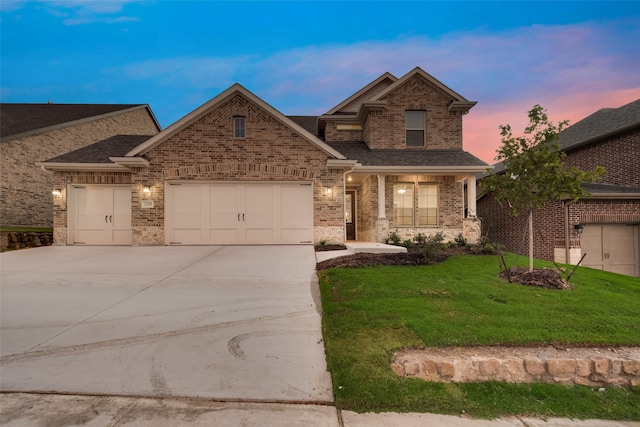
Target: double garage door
[[239, 213]]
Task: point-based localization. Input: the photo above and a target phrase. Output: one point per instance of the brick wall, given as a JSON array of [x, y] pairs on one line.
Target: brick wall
[[207, 151], [385, 129], [25, 197], [619, 154]]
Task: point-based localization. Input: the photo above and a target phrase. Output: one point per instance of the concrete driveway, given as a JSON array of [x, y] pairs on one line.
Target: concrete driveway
[[227, 323]]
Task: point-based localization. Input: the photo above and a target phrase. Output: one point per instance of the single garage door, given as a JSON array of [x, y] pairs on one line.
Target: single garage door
[[239, 213], [100, 215], [611, 247]]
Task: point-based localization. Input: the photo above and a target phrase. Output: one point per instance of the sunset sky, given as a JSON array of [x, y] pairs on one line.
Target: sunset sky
[[305, 57]]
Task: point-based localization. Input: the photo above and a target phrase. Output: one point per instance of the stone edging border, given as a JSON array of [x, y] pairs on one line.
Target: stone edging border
[[592, 366]]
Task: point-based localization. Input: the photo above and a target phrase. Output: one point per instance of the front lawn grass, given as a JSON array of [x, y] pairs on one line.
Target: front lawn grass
[[371, 312]]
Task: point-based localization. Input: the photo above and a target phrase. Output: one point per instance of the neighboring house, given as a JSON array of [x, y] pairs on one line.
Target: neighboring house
[[237, 171], [604, 225], [31, 133]]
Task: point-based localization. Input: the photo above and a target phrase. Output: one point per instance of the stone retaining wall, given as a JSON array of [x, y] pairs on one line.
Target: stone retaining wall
[[10, 240], [582, 366]]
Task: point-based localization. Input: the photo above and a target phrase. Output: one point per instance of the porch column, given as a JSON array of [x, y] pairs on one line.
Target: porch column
[[381, 199], [471, 196]]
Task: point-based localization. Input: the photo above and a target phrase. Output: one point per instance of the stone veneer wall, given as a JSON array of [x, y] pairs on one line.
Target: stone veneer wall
[[589, 367], [25, 189]]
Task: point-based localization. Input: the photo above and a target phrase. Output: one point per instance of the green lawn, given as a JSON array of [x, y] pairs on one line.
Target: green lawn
[[371, 312], [25, 229]]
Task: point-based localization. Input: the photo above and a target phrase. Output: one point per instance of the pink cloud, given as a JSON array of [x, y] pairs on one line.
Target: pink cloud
[[481, 133]]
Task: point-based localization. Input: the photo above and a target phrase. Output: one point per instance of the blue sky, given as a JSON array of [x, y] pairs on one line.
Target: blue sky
[[305, 57]]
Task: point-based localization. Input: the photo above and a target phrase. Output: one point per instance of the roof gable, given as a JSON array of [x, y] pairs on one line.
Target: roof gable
[[21, 120], [215, 103], [458, 102], [352, 103]]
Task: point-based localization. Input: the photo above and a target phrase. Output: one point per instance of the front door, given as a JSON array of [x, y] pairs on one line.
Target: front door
[[350, 215]]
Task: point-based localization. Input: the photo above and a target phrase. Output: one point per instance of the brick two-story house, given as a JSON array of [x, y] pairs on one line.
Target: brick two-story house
[[603, 227], [237, 171], [31, 133]]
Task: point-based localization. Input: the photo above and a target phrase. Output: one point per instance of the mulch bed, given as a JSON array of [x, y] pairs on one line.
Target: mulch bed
[[541, 277], [544, 278]]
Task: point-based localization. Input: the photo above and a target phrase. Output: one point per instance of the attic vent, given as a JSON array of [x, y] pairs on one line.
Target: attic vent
[[349, 127]]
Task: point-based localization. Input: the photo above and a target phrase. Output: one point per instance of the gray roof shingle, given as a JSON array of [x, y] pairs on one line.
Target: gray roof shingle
[[309, 123], [16, 119], [599, 124], [360, 151], [99, 152], [604, 189]]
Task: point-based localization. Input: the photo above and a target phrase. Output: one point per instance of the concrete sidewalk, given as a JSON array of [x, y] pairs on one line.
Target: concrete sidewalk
[[26, 410]]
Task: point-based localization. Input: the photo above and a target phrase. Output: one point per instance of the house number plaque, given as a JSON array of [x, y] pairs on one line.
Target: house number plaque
[[146, 204]]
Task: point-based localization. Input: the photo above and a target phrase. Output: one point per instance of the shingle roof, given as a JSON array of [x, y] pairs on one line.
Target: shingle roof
[[599, 124], [309, 123], [17, 119], [604, 189], [359, 151], [99, 152]]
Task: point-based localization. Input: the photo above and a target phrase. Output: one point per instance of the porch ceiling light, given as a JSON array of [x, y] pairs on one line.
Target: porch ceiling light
[[57, 192]]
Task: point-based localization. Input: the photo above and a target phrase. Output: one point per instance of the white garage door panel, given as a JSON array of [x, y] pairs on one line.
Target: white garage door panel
[[102, 215], [611, 247], [252, 213]]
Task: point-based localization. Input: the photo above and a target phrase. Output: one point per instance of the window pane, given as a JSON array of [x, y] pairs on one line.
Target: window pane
[[403, 204], [428, 204], [239, 127], [415, 120], [415, 138]]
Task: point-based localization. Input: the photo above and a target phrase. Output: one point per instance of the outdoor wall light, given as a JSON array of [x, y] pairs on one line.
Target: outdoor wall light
[[146, 189], [579, 228], [57, 192]]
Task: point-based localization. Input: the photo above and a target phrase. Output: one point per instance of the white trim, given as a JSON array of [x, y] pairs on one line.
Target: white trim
[[217, 101], [432, 80], [131, 161], [422, 170], [84, 167], [361, 92]]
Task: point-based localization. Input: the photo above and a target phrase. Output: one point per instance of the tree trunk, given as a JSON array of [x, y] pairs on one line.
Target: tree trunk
[[530, 239]]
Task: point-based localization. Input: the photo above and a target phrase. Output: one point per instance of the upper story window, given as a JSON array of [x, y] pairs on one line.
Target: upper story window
[[415, 128], [239, 129]]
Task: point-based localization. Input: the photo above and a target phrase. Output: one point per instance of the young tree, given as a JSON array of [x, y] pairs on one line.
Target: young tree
[[535, 170]]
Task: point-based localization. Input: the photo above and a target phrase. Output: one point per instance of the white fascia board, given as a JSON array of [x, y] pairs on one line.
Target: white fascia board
[[423, 170], [83, 167], [341, 163], [432, 80], [131, 161], [359, 93]]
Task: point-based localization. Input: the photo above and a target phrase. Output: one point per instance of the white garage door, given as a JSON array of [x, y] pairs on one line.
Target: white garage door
[[100, 215], [239, 213], [611, 247]]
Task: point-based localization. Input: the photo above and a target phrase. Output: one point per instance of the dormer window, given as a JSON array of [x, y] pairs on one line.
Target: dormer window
[[415, 128], [239, 130]]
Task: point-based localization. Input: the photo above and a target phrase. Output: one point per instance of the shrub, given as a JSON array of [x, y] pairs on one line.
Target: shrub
[[393, 239]]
